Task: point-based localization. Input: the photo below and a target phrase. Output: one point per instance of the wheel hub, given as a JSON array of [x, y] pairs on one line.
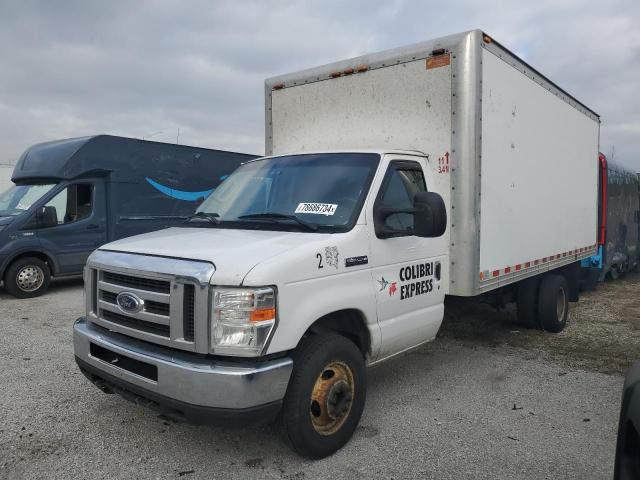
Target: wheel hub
[[30, 278], [331, 398]]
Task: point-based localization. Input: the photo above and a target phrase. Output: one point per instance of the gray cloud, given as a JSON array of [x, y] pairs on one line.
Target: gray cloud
[[76, 68]]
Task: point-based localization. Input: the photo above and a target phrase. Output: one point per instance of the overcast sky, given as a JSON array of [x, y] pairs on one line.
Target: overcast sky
[[149, 68]]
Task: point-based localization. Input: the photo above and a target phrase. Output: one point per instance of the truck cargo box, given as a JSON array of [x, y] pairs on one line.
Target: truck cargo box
[[514, 156]]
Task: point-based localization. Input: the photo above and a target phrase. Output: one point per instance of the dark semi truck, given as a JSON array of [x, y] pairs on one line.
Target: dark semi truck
[[71, 196]]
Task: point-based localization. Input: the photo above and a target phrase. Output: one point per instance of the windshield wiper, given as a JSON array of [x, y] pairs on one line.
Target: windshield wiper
[[277, 216], [211, 217]]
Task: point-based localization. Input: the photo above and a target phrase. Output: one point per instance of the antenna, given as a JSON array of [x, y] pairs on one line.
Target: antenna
[[178, 137]]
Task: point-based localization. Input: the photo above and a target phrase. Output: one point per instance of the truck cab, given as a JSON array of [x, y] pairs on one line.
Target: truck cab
[[364, 257]]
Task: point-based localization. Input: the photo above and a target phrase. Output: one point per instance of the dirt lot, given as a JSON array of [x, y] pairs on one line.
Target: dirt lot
[[603, 332], [485, 400]]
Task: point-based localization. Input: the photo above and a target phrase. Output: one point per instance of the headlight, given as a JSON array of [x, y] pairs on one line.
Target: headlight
[[242, 320]]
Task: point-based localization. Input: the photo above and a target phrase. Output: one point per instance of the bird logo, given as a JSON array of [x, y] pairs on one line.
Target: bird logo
[[383, 284]]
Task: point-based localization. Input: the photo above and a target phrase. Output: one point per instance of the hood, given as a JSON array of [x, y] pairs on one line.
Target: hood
[[233, 252]]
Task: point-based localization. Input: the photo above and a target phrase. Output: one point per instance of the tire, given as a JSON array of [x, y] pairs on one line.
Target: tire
[[614, 273], [327, 368], [527, 302], [553, 303], [27, 277]]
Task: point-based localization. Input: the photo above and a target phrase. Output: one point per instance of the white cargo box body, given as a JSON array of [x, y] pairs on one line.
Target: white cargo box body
[[513, 155]]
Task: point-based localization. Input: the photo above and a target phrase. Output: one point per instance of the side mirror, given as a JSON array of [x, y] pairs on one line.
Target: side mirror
[[430, 218], [47, 217]]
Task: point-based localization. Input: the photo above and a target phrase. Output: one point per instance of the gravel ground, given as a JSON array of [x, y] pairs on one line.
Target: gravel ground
[[500, 404]]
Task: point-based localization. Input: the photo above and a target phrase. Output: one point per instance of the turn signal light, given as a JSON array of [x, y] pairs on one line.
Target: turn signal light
[[262, 314]]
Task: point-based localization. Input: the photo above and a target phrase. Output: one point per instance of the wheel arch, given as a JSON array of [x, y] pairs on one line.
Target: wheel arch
[[350, 323], [45, 257]]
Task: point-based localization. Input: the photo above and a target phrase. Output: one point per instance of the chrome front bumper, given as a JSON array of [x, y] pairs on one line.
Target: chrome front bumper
[[179, 380]]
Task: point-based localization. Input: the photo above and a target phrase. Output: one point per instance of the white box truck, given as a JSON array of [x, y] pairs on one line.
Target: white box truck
[[449, 167]]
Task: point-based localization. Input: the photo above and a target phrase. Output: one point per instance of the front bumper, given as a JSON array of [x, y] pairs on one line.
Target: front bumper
[[187, 386]]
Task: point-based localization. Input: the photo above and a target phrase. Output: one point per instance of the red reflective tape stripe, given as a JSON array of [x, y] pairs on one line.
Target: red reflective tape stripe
[[507, 269], [496, 273], [518, 267], [527, 264]]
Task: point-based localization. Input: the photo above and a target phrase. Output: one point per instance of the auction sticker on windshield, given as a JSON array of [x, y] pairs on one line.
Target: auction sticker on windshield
[[317, 208]]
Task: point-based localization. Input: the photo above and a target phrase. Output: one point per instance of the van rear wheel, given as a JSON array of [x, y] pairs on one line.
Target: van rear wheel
[[325, 397], [553, 303], [27, 277]]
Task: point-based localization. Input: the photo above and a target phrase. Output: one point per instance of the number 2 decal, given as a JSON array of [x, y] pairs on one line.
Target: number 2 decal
[[319, 257]]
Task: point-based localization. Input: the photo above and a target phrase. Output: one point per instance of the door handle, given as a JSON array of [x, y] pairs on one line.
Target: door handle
[[438, 270], [93, 226]]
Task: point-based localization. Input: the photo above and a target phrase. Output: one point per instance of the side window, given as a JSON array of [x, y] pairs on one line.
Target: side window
[[72, 204], [400, 187]]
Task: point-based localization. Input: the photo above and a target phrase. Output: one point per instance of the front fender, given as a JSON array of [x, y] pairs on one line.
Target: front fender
[[302, 303], [20, 247]]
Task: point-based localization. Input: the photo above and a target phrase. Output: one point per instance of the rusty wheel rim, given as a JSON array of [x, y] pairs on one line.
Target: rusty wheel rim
[[331, 398]]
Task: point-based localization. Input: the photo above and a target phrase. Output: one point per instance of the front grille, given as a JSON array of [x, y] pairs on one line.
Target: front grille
[[108, 296], [168, 307], [188, 312], [156, 307], [153, 285], [135, 323]]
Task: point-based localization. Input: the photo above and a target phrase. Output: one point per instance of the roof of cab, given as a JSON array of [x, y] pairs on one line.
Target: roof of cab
[[97, 155]]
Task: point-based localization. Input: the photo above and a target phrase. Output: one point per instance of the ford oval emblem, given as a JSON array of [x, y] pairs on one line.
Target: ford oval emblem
[[129, 303]]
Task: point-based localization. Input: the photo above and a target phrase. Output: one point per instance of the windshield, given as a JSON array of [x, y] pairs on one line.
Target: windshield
[[323, 192], [19, 198]]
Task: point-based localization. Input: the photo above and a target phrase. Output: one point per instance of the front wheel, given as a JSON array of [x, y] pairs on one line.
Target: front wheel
[[325, 397], [27, 277]]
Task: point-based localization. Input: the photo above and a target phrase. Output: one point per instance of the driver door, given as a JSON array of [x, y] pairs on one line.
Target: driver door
[[407, 270], [80, 225]]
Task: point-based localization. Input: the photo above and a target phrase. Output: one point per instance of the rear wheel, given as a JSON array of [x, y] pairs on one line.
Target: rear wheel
[[27, 277], [553, 303], [614, 272], [325, 397], [527, 302]]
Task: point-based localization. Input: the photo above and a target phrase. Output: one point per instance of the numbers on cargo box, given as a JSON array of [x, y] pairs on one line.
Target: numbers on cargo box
[[443, 163]]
